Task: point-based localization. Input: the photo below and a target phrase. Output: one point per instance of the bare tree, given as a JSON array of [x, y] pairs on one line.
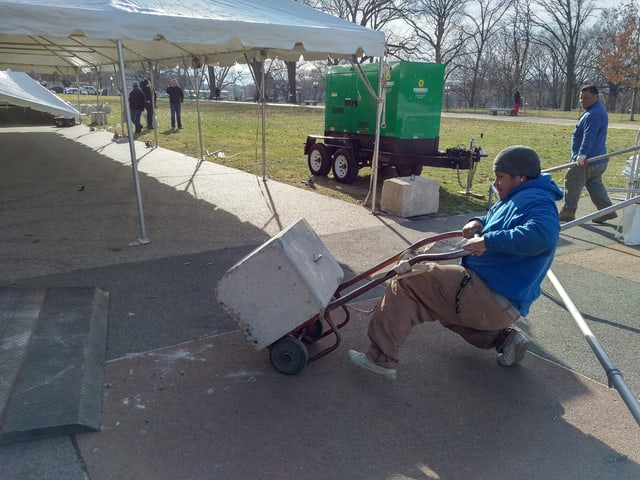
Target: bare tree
[[221, 77], [382, 15], [508, 54], [485, 26], [437, 27], [563, 21], [374, 14], [520, 44]]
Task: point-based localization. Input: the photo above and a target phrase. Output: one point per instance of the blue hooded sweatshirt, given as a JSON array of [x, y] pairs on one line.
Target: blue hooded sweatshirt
[[521, 234]]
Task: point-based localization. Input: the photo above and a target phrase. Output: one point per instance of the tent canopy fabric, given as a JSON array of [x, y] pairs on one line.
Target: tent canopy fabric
[[66, 36], [18, 88]]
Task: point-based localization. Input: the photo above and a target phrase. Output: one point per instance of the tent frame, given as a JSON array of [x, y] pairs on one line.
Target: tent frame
[[48, 35]]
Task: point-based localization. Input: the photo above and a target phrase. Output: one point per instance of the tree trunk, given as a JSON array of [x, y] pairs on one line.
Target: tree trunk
[[212, 82], [633, 104], [569, 96], [291, 76], [612, 101]]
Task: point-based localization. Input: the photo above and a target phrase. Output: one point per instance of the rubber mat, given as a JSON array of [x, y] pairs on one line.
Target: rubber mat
[[52, 350]]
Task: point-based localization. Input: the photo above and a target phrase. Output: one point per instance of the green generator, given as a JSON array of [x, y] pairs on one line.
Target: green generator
[[411, 110], [409, 128]]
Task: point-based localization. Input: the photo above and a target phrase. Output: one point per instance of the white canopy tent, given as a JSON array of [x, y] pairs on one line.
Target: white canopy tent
[[50, 35], [82, 33], [18, 88]]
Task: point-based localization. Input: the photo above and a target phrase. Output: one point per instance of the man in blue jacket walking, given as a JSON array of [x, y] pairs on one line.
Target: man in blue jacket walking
[[588, 140], [512, 248]]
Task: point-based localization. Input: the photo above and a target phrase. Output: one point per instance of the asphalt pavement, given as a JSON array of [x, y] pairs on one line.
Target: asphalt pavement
[[185, 396]]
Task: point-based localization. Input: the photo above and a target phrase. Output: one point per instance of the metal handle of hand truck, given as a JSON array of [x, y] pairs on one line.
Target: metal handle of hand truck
[[342, 300], [391, 260]]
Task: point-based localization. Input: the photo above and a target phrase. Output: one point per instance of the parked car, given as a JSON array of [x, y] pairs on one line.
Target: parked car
[[57, 89], [71, 90], [88, 90]]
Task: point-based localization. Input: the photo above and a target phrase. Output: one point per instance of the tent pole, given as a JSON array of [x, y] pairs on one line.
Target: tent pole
[[143, 240], [614, 375], [262, 101], [197, 83], [151, 71], [376, 145], [122, 102], [78, 87]]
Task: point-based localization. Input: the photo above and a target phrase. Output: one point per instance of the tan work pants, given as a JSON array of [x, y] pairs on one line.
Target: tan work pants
[[429, 296]]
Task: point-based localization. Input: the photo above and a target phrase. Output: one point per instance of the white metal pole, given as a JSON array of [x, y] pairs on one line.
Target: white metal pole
[[614, 375], [263, 111], [592, 159], [376, 145], [143, 240]]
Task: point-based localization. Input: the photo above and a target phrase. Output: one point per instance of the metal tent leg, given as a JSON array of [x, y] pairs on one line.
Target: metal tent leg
[[614, 375]]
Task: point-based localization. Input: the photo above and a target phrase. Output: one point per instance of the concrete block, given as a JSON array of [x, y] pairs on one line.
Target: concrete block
[[99, 118], [280, 285], [410, 196]]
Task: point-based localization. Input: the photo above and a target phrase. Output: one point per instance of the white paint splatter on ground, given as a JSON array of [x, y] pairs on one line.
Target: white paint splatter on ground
[[248, 376], [136, 401]]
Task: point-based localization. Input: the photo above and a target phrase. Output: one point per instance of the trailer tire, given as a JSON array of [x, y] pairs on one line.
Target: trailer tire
[[289, 355], [407, 171], [319, 160], [345, 168]]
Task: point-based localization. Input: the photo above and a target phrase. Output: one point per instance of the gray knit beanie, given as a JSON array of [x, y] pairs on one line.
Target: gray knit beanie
[[517, 160]]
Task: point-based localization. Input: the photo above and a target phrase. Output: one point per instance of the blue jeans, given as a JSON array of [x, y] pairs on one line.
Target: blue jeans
[[135, 119], [175, 114], [590, 177]]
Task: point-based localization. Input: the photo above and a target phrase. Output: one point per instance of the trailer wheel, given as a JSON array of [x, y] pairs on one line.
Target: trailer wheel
[[319, 160], [289, 355], [345, 168], [407, 171]]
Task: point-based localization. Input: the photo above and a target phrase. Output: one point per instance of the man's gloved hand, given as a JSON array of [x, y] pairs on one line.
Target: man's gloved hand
[[581, 160]]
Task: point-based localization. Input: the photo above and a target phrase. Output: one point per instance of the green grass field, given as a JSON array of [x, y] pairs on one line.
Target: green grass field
[[235, 129]]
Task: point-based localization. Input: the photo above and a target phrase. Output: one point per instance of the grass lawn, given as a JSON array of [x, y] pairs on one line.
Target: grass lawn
[[235, 129]]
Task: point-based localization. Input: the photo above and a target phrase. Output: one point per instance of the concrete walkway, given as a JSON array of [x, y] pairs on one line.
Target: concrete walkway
[[185, 396]]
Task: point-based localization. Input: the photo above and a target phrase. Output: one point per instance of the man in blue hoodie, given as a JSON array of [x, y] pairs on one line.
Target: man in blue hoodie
[[588, 140], [512, 248]]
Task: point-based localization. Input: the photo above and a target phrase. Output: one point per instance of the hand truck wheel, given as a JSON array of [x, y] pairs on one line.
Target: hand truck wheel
[[289, 355]]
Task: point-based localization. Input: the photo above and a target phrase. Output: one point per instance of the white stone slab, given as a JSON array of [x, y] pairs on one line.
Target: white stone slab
[[410, 196], [281, 285]]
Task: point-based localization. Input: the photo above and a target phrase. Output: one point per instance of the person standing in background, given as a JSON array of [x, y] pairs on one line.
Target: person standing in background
[[517, 98], [176, 97], [150, 101], [136, 106], [588, 140]]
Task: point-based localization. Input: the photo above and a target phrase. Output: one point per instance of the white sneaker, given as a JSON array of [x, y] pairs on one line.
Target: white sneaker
[[361, 360], [513, 353]]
